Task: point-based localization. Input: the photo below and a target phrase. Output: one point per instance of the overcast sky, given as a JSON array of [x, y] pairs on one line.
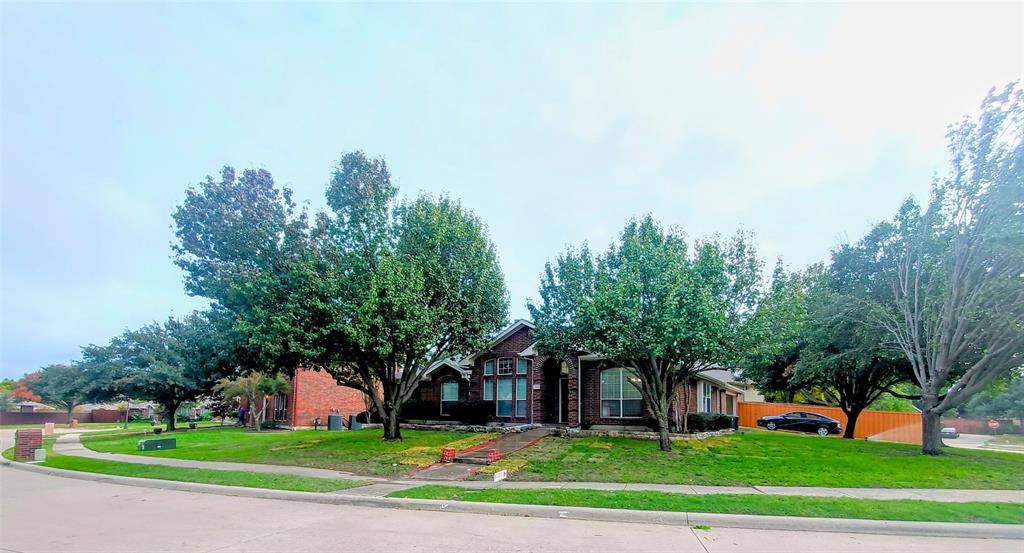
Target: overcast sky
[[555, 124]]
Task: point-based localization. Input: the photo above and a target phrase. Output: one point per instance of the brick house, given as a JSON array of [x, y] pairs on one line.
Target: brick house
[[580, 391], [314, 394]]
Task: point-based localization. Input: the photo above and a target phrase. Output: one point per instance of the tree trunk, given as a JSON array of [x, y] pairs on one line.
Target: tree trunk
[[70, 410], [392, 430], [851, 423], [931, 432], [170, 410], [663, 439], [686, 407]]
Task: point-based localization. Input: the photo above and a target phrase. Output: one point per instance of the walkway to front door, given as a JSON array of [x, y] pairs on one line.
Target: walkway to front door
[[467, 463]]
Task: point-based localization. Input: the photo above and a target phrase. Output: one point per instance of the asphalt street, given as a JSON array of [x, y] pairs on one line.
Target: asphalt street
[[42, 513]]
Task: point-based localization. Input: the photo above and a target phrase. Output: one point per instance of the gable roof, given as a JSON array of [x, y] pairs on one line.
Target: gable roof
[[723, 378], [502, 334], [465, 373]]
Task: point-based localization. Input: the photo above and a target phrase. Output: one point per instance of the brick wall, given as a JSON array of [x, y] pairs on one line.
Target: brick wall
[[316, 393], [26, 442], [592, 400], [430, 390], [509, 347]]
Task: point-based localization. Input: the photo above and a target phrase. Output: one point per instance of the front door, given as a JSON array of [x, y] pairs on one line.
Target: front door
[[563, 399]]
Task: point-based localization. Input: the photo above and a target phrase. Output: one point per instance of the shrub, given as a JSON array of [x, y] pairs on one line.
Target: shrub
[[708, 422], [419, 409], [473, 412]]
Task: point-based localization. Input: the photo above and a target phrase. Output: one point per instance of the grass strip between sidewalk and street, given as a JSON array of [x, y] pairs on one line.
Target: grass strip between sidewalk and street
[[184, 474], [745, 504]]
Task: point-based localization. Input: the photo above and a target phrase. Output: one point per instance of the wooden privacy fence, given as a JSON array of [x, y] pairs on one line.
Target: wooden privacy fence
[[888, 426]]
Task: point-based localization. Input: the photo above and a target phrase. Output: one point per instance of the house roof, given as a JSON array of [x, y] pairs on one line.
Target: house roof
[[502, 334], [465, 373], [722, 377]]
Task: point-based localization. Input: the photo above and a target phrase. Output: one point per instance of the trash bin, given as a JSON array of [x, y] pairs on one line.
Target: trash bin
[[353, 423], [335, 422], [734, 423]]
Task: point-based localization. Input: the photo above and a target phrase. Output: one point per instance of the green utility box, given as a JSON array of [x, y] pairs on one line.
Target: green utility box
[[157, 443]]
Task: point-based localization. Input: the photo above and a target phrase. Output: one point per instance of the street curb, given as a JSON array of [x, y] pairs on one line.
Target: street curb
[[757, 522]]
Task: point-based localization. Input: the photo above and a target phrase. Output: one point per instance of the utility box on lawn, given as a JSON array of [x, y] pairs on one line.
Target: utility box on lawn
[[335, 423], [154, 444]]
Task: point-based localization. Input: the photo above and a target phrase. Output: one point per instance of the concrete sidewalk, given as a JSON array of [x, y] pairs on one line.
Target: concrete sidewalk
[[94, 508], [70, 444]]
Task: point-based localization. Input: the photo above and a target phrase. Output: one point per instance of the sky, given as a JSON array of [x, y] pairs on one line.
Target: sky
[[555, 123]]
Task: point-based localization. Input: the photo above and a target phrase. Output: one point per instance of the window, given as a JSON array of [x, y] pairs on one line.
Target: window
[[704, 397], [502, 385], [523, 367], [620, 394], [521, 396], [449, 396], [280, 407], [488, 388], [504, 397], [505, 365]]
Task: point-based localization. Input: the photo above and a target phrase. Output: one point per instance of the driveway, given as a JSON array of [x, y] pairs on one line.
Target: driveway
[[42, 513]]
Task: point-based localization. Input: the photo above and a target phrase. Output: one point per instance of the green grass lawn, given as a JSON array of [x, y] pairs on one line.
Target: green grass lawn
[[768, 458], [910, 510], [203, 476], [359, 452], [746, 459]]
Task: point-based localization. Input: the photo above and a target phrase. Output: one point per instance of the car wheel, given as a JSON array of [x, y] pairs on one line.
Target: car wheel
[[771, 426], [823, 431]]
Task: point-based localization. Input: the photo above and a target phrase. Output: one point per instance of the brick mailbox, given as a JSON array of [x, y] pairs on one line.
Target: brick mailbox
[[26, 442]]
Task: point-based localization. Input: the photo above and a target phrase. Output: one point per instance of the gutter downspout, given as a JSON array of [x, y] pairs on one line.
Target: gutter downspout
[[579, 392]]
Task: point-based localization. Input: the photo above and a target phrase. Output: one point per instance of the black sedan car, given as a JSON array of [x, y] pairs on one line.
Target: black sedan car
[[800, 421]]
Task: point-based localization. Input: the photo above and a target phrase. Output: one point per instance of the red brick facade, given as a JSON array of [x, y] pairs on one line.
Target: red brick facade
[[316, 394], [430, 389], [508, 348], [558, 391]]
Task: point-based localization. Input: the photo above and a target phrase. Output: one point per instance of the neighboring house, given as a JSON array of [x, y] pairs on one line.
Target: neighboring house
[[25, 406], [527, 387], [314, 394]]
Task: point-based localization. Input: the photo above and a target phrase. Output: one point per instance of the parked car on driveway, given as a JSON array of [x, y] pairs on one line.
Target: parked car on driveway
[[801, 421], [950, 432]]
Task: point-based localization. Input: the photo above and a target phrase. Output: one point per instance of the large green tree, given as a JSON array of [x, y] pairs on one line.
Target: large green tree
[[843, 358], [1004, 399], [69, 385], [946, 283], [169, 363], [652, 305], [374, 291], [781, 318]]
